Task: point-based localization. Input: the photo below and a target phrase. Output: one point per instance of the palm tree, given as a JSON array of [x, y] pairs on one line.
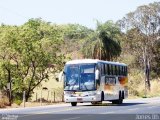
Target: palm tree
[[103, 44], [106, 48]]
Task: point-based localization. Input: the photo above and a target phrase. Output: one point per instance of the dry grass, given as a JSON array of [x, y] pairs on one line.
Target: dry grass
[[54, 88], [4, 102], [154, 91], [135, 79], [137, 85], [155, 88]]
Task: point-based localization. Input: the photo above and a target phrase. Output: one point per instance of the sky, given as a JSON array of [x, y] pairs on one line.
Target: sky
[[84, 12]]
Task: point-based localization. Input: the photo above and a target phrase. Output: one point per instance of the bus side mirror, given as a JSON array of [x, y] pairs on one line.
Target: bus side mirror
[[97, 75], [61, 76]]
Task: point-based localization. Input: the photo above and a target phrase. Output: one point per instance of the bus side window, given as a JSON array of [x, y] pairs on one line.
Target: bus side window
[[110, 69], [113, 69], [102, 69], [106, 69], [116, 70], [126, 71], [99, 68], [112, 66], [120, 70]]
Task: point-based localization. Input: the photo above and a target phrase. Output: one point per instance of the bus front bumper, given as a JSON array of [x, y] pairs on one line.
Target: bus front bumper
[[82, 99]]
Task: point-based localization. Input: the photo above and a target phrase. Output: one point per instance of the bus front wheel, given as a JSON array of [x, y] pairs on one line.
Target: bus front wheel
[[74, 103]]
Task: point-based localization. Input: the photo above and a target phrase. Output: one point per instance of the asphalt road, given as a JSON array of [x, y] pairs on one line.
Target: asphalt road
[[131, 109]]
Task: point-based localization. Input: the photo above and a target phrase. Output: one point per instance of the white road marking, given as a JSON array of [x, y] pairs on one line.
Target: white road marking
[[111, 112], [134, 109], [151, 106], [71, 118]]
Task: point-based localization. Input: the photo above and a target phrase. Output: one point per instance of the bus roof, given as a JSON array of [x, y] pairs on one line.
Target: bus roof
[[84, 61]]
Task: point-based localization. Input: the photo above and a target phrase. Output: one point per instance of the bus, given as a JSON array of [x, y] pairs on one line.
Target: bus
[[92, 80]]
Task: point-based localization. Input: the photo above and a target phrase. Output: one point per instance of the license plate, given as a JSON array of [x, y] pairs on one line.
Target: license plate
[[79, 99]]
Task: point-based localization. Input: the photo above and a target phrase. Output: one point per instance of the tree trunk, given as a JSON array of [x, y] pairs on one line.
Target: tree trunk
[[10, 89], [148, 75], [27, 95], [146, 70], [29, 90]]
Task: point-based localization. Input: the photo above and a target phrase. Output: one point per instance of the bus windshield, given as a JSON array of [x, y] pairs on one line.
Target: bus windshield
[[79, 77]]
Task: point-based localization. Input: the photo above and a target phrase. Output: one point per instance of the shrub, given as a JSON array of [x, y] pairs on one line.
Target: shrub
[[136, 82], [155, 89], [18, 102], [4, 102]]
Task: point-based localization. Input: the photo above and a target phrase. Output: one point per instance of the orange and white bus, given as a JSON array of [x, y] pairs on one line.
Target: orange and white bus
[[92, 80]]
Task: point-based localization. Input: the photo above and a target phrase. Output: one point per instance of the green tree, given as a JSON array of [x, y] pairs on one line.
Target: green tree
[[7, 67], [145, 19], [39, 45], [74, 37], [32, 52]]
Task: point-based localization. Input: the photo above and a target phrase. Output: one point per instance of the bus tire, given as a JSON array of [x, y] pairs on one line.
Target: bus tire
[[114, 102], [123, 95], [119, 101], [95, 103], [74, 103], [102, 96]]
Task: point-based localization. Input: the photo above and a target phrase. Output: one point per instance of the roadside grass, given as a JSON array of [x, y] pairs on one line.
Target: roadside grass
[[135, 81], [142, 93], [155, 89], [4, 102], [52, 94], [136, 88], [53, 91], [137, 85]]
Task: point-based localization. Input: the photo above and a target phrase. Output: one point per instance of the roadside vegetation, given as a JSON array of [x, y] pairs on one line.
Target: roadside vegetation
[[34, 52], [4, 101]]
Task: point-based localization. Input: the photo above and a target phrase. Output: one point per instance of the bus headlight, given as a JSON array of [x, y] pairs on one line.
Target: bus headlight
[[92, 93], [94, 98], [69, 93]]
